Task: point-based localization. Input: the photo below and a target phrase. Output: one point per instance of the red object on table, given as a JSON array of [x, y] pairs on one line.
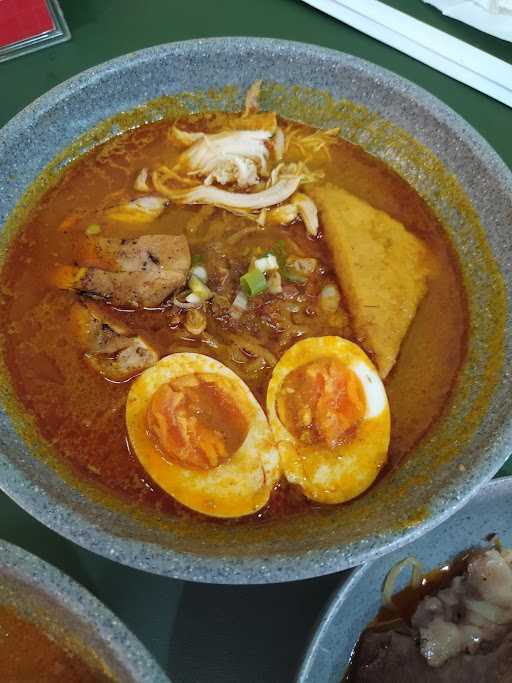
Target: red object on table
[[22, 19]]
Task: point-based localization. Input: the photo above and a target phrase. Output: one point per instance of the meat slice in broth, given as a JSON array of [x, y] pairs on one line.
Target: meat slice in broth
[[108, 346], [150, 253], [140, 272]]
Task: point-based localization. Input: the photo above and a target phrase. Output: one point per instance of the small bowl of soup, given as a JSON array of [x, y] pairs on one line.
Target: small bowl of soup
[[438, 610], [254, 324], [53, 630]]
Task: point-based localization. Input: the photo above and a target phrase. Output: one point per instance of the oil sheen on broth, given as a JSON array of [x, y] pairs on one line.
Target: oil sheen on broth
[[27, 653], [82, 413]]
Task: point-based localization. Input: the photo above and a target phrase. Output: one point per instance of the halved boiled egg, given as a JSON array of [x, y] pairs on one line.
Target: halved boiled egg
[[329, 414], [201, 435]]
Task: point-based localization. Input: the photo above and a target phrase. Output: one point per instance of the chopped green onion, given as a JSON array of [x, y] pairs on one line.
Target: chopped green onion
[[196, 259], [93, 229], [200, 272], [294, 277], [266, 263], [239, 305], [193, 299], [254, 282], [198, 287]]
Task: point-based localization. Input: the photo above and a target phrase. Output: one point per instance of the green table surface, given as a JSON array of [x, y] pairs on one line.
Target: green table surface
[[203, 633]]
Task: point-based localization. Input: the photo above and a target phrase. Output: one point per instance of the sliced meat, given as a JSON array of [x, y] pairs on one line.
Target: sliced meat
[[148, 253], [475, 608], [108, 346], [94, 333], [120, 289], [138, 272], [382, 269]]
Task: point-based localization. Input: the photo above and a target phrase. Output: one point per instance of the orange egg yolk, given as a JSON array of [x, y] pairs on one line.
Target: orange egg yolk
[[322, 402], [195, 422]]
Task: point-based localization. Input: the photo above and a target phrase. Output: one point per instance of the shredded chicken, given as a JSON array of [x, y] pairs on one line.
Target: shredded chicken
[[140, 272], [108, 346], [266, 121], [283, 215], [185, 137], [278, 144], [141, 181], [204, 194], [239, 170], [140, 210], [238, 157], [307, 211], [252, 99]]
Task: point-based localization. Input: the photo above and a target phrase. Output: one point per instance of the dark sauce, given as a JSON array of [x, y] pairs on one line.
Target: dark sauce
[[405, 603]]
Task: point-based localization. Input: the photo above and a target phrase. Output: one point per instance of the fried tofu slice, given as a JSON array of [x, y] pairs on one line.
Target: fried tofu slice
[[139, 272], [109, 347], [382, 269]]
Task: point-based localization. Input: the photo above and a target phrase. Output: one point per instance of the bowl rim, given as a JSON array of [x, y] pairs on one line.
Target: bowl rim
[[355, 577], [21, 565], [280, 566]]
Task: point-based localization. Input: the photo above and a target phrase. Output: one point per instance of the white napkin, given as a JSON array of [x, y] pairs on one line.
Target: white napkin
[[429, 45], [492, 16]]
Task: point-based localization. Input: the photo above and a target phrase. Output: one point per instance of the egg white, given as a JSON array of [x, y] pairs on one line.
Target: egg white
[[333, 475], [241, 485]]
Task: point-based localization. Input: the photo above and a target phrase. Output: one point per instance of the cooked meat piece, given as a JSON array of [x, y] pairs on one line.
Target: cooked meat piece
[[120, 289], [128, 362], [141, 210], [382, 269], [474, 609], [394, 657], [108, 346], [138, 272], [95, 334], [461, 633], [149, 253]]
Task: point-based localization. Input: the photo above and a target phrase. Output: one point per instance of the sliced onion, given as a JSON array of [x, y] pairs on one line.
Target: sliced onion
[[239, 305], [393, 574], [200, 272], [195, 302], [308, 212]]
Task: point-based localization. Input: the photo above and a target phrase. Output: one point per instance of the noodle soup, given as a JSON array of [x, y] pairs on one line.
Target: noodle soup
[[219, 243]]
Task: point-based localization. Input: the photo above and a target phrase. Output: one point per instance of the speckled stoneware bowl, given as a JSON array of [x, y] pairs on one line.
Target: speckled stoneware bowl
[[358, 599], [68, 613], [449, 164]]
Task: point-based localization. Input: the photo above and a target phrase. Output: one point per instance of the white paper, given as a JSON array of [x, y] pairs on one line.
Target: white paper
[[497, 24], [439, 50]]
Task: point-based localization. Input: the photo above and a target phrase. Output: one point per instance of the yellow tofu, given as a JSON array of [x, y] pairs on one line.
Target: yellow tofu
[[382, 269]]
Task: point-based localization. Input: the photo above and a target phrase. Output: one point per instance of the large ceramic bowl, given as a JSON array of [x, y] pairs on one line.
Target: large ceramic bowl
[[358, 599], [450, 165], [67, 612]]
